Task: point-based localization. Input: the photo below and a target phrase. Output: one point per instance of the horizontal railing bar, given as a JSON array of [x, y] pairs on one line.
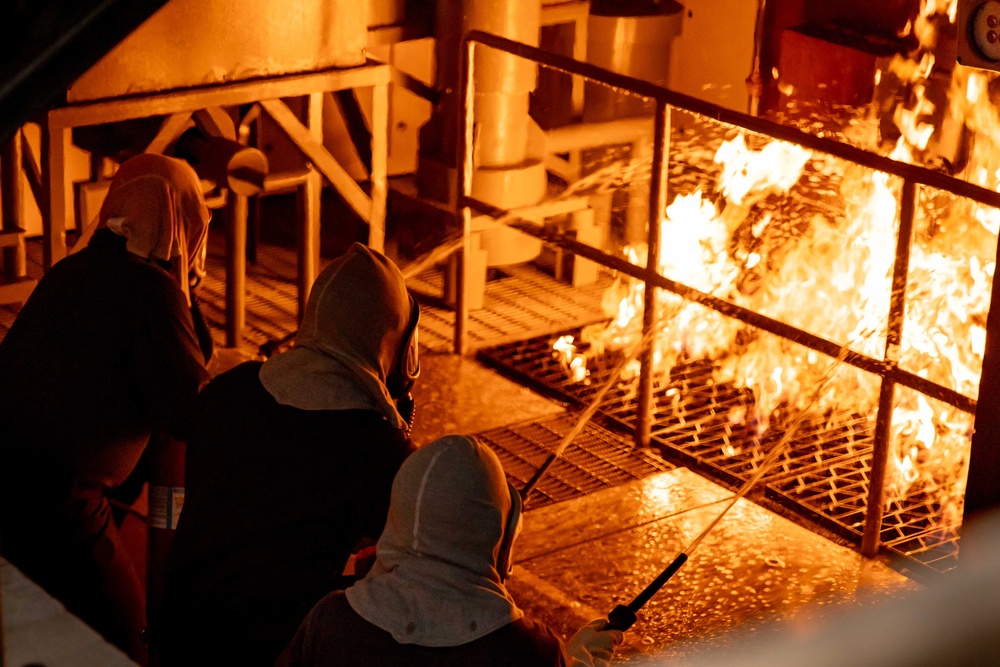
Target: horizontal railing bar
[[628, 84], [879, 367]]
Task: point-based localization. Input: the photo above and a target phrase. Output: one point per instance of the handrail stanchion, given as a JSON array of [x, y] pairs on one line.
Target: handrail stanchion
[[463, 188], [657, 208], [875, 504]]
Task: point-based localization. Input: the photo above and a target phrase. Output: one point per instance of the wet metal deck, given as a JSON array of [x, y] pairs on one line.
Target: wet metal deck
[[822, 475], [577, 559]]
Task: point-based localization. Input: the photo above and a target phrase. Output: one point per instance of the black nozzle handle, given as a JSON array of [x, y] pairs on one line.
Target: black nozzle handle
[[621, 618]]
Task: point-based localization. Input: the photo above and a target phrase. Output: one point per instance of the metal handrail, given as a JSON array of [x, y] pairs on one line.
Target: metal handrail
[[911, 175], [915, 173]]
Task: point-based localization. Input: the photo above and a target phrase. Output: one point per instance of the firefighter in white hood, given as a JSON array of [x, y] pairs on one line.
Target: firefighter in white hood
[[435, 595]]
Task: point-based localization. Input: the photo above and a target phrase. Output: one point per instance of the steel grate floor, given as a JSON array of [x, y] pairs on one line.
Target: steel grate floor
[[597, 459], [822, 476], [522, 301]]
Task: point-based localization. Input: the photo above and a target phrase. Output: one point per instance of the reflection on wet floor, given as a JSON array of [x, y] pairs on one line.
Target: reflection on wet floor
[[455, 394], [579, 558]]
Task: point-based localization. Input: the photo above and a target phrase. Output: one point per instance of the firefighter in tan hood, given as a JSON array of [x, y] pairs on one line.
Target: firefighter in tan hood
[[104, 353]]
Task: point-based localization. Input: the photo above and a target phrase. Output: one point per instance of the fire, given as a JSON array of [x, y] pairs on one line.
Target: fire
[[831, 275], [575, 364]]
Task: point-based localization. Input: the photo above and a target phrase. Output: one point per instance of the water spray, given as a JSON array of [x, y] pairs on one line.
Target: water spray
[[591, 409], [623, 616]]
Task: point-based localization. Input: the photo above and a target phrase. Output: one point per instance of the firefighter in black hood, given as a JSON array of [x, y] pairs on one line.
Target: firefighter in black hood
[[104, 353], [289, 468]]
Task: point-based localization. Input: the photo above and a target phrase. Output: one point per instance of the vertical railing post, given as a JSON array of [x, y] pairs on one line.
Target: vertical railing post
[[236, 210], [59, 206], [463, 189], [12, 216], [379, 170], [657, 207], [875, 505], [310, 198]]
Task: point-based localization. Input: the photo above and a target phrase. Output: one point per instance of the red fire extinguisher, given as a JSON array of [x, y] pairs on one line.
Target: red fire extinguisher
[[166, 498]]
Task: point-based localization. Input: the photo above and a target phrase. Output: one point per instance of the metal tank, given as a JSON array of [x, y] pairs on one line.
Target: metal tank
[[630, 38], [192, 43], [509, 172]]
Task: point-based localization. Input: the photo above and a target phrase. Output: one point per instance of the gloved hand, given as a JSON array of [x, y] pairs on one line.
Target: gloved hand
[[593, 644]]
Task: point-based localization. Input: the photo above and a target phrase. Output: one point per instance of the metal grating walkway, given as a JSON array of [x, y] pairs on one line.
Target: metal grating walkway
[[272, 297], [597, 459]]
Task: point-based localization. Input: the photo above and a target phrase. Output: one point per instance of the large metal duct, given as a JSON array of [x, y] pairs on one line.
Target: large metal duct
[[509, 170]]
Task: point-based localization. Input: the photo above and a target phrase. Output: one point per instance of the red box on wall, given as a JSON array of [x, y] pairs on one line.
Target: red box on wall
[[827, 64]]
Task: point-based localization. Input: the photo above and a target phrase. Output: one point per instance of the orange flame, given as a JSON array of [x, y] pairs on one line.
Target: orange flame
[[834, 279]]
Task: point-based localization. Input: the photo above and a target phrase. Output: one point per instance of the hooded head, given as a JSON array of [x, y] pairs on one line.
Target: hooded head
[[156, 203], [356, 346], [437, 578]]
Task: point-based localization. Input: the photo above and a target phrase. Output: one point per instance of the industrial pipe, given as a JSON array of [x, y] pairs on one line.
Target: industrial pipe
[[227, 163], [630, 37], [755, 81], [509, 169]]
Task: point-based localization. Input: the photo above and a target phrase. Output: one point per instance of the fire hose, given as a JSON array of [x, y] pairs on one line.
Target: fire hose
[[623, 616]]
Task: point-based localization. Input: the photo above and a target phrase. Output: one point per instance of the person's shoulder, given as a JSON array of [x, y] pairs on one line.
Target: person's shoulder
[[145, 283], [334, 602], [331, 615], [329, 634], [71, 268]]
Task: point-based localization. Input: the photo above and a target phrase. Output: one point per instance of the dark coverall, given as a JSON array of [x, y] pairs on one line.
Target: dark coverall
[[103, 353]]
